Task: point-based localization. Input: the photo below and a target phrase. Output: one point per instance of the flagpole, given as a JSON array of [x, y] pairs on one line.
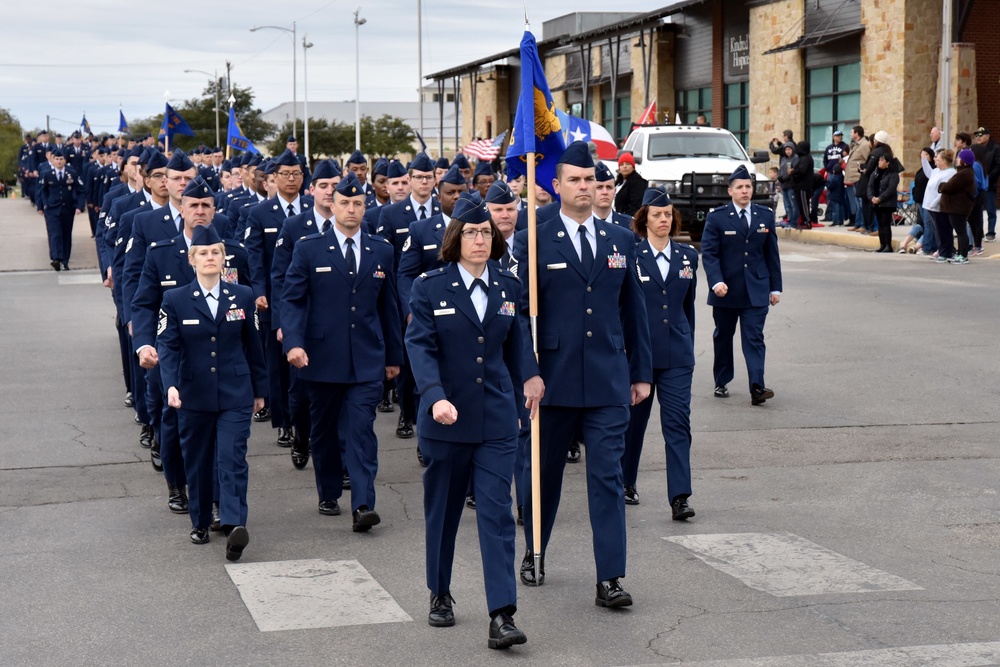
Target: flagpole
[[536, 435], [229, 144]]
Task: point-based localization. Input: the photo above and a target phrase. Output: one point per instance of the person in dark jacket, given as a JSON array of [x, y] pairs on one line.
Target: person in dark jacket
[[988, 155], [882, 194], [777, 146], [958, 196], [785, 166], [633, 186], [880, 145], [802, 182]]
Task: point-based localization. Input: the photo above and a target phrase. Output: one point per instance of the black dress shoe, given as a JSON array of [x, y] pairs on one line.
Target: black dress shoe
[[611, 594], [199, 536], [631, 496], [470, 501], [65, 266], [216, 519], [404, 430], [528, 570], [236, 542], [285, 437], [503, 632], [56, 264], [347, 481], [154, 456], [420, 459], [364, 519], [573, 455], [385, 405], [177, 500], [329, 508], [680, 509], [146, 436], [441, 615], [136, 419], [300, 454], [262, 415], [759, 394], [129, 403], [721, 391]]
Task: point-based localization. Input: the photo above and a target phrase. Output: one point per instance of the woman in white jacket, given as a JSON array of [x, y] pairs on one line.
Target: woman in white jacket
[[941, 173]]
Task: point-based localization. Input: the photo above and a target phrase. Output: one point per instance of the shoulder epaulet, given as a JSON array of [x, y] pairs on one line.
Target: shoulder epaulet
[[162, 244], [312, 237], [717, 208], [376, 237], [686, 246]]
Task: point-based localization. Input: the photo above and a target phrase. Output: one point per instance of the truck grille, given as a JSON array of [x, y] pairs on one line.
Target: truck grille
[[706, 185]]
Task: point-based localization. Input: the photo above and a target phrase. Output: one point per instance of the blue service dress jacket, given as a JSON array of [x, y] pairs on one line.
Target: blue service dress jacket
[[350, 329], [260, 236], [420, 255], [585, 323], [743, 256], [293, 229], [670, 303], [216, 363], [394, 222], [474, 365]]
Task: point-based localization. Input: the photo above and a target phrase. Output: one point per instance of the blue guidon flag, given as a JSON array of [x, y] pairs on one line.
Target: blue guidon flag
[[235, 138]]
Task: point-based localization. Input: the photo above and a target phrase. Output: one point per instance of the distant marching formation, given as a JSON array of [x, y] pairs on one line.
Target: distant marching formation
[[257, 289]]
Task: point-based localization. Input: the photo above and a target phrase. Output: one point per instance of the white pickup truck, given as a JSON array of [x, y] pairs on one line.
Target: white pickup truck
[[693, 164]]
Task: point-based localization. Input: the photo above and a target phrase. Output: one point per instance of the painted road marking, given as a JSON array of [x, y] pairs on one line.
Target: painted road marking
[[80, 278], [785, 565], [300, 594], [938, 655]]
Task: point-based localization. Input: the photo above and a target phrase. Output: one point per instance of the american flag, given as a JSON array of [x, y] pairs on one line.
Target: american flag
[[484, 149]]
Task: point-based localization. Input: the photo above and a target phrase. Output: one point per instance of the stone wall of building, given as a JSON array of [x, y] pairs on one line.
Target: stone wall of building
[[661, 76], [777, 83], [964, 89]]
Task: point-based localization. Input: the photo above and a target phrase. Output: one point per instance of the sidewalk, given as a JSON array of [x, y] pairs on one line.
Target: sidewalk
[[26, 246], [841, 236]]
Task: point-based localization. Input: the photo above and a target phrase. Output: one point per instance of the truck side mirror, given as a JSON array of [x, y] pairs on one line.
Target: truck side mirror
[[760, 157]]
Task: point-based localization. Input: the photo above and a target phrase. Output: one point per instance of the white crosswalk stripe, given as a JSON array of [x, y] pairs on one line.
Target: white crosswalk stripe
[[785, 565], [299, 594]]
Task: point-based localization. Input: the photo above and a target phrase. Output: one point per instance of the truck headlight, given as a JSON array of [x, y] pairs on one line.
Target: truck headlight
[[762, 187]]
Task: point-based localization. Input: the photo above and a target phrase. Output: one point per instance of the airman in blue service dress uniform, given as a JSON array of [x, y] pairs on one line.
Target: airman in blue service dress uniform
[[465, 346], [212, 365], [739, 250], [317, 219], [593, 362], [340, 329], [668, 273], [60, 198], [482, 178], [260, 236], [605, 198]]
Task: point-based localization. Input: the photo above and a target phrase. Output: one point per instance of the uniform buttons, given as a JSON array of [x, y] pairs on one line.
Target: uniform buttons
[[479, 380], [746, 254], [353, 325], [479, 360], [590, 289], [213, 354], [666, 321], [746, 266], [664, 306], [353, 308], [590, 334], [354, 291], [590, 312], [664, 292], [212, 369], [213, 339], [481, 340]]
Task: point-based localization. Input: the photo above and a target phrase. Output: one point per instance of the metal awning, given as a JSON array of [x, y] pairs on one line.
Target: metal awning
[[817, 38]]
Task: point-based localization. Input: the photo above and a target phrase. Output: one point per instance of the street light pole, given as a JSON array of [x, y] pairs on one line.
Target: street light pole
[[306, 44], [295, 87], [357, 79], [218, 140]]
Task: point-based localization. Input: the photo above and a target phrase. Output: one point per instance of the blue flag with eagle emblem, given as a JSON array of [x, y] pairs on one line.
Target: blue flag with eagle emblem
[[536, 126]]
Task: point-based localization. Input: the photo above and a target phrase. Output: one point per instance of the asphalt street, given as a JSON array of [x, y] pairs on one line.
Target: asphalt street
[[852, 520]]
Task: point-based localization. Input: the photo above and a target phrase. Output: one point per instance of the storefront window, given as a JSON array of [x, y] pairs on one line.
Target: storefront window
[[738, 110], [691, 103], [833, 102]]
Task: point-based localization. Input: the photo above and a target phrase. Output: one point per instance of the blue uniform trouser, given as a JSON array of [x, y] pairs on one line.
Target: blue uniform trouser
[[59, 227], [278, 382], [751, 321], [298, 405], [92, 218], [673, 387], [352, 406], [523, 455], [125, 347], [450, 467], [139, 392], [164, 421], [604, 432], [210, 439], [406, 388]]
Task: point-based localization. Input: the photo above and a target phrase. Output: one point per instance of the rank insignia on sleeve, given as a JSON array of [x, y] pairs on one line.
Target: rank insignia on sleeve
[[162, 324]]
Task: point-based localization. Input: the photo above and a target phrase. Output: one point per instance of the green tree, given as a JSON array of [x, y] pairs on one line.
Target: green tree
[[11, 138], [326, 139], [386, 136]]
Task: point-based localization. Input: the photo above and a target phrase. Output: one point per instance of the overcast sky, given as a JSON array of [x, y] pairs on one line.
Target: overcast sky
[[64, 58]]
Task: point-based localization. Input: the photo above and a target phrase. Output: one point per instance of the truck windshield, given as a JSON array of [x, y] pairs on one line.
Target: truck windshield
[[694, 144]]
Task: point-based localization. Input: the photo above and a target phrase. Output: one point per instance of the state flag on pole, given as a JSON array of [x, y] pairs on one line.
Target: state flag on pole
[[581, 129], [648, 116]]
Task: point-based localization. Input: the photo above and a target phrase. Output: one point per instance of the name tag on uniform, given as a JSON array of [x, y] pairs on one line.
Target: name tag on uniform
[[270, 230], [190, 321], [234, 315], [553, 267], [324, 269], [444, 311], [230, 275], [403, 230], [730, 233], [616, 261], [506, 308], [686, 273], [167, 283], [430, 247]]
